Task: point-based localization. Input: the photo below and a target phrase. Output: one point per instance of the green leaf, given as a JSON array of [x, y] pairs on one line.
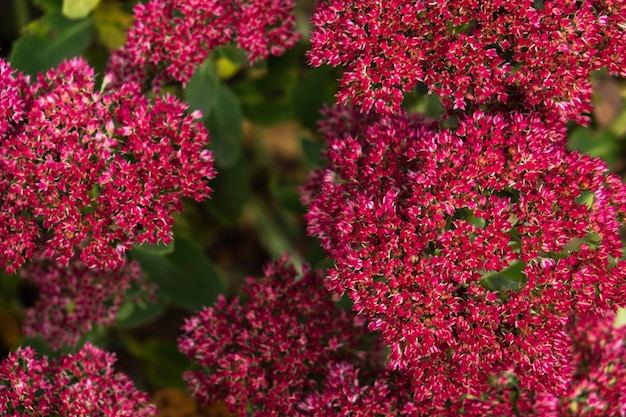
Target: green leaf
[[186, 275], [235, 55], [221, 110], [225, 124], [77, 9], [164, 364], [511, 278], [318, 87], [266, 99], [112, 22], [160, 249], [49, 41], [132, 314], [602, 144], [229, 60], [312, 152], [161, 360], [274, 232], [48, 5], [231, 190], [200, 92]]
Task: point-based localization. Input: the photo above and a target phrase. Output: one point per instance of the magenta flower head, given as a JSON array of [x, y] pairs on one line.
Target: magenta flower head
[[103, 171], [468, 249], [345, 392], [471, 52], [80, 385], [170, 38], [73, 298], [269, 350], [595, 388]]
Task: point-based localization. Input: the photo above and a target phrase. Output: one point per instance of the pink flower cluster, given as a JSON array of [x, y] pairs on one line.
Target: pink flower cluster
[[83, 384], [470, 249], [596, 388], [74, 298], [170, 38], [501, 53], [285, 350], [99, 171]]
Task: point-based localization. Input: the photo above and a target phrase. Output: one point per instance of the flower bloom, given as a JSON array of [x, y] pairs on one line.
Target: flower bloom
[[468, 249], [347, 393], [595, 389], [471, 52], [270, 350], [170, 38], [72, 298], [81, 385], [99, 171]]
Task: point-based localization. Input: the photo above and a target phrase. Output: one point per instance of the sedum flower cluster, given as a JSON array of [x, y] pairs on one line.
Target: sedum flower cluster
[[99, 171], [468, 250], [170, 38], [79, 385], [73, 298], [476, 247], [284, 348], [596, 388], [537, 55]]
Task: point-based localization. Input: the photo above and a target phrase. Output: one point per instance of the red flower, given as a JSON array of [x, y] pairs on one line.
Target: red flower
[[480, 52], [422, 224], [170, 38], [103, 171], [83, 384], [270, 350], [73, 298]]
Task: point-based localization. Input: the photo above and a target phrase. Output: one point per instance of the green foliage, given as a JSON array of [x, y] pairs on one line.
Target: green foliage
[[161, 361], [50, 40], [221, 110], [185, 276], [511, 278], [602, 144], [77, 9], [231, 191]]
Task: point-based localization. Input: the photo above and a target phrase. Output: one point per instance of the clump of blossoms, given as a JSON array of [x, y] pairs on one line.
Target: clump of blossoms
[[73, 298], [345, 392], [528, 54], [79, 385], [596, 387], [274, 351], [170, 38], [468, 249], [99, 171]]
